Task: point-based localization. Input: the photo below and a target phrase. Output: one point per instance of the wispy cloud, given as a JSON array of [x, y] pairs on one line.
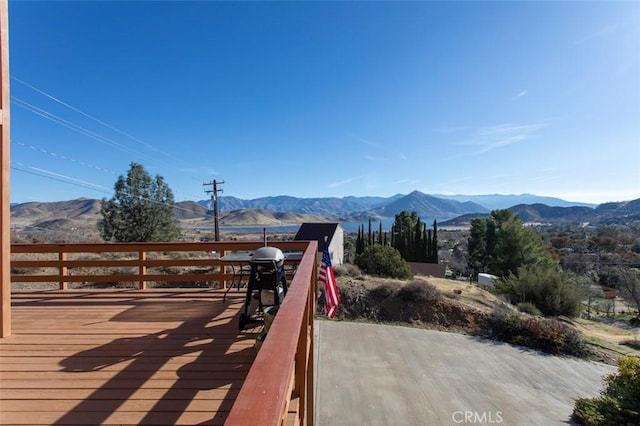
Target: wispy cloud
[[345, 181], [602, 32], [363, 140], [521, 94], [502, 135]]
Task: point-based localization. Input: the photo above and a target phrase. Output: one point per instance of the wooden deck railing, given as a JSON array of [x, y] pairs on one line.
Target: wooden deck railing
[[128, 262], [279, 386], [284, 365]]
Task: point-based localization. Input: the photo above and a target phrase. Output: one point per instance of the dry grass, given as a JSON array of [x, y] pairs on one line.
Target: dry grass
[[470, 295]]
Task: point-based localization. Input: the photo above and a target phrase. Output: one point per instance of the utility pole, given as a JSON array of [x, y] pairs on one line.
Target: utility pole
[[216, 211]]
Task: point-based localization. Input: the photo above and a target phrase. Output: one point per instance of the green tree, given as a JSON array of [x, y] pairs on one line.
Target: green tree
[[434, 244], [383, 261], [360, 240], [140, 210], [501, 244], [409, 235]]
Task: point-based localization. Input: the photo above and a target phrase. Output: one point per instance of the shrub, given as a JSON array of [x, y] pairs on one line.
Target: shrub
[[347, 270], [384, 291], [529, 308], [383, 261], [619, 402], [419, 291], [549, 290], [545, 334]]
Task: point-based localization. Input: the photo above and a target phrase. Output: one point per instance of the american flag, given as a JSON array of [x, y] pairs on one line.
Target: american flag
[[326, 276]]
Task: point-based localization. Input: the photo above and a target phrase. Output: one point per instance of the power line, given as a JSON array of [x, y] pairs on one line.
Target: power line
[[88, 185], [67, 158], [109, 126], [64, 157], [58, 120], [58, 177], [61, 121]]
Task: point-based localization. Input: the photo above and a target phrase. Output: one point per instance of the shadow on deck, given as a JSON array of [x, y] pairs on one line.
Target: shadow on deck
[[123, 357]]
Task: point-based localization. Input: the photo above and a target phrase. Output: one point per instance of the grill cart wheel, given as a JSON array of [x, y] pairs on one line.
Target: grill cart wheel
[[243, 321]]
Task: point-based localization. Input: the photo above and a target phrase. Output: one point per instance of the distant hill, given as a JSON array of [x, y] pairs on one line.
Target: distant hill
[[70, 209], [330, 206], [428, 206], [247, 217], [34, 212], [499, 201], [542, 212], [68, 219], [608, 213], [189, 210]]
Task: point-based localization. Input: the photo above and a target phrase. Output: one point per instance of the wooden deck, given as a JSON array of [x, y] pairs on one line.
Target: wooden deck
[[123, 357]]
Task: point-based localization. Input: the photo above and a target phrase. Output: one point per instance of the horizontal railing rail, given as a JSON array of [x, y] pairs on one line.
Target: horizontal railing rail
[[68, 263]]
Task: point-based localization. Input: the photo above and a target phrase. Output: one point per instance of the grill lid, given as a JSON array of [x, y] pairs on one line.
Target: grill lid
[[267, 254]]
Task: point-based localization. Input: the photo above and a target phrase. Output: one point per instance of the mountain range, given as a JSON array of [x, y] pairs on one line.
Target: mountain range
[[448, 210], [356, 208]]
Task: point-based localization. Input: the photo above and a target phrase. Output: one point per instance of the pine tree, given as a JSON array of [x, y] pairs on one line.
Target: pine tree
[[140, 211]]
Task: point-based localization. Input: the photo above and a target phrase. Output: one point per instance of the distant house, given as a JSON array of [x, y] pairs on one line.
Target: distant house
[[317, 232], [437, 270]]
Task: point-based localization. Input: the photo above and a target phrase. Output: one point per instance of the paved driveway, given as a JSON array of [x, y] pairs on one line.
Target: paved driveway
[[369, 374]]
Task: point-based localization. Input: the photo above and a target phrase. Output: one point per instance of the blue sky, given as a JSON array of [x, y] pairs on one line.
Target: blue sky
[[318, 99]]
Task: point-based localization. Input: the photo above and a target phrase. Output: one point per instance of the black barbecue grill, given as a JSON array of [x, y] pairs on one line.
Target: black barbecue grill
[[267, 282]]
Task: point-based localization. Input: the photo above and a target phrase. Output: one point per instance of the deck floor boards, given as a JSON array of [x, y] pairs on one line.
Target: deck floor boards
[[120, 357]]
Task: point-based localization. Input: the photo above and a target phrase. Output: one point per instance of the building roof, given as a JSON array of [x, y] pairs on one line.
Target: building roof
[[317, 231]]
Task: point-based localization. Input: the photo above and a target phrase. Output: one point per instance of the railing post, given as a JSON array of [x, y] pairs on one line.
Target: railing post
[[5, 208], [142, 270], [223, 270], [62, 269]]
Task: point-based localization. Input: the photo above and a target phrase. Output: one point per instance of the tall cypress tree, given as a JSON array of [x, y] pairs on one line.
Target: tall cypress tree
[[434, 243], [360, 240]]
